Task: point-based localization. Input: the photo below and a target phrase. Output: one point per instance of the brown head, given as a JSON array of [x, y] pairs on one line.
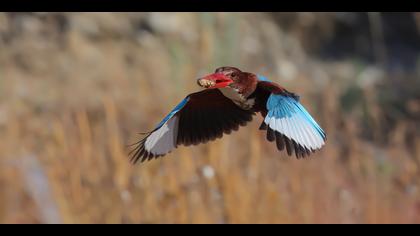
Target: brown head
[[227, 76]]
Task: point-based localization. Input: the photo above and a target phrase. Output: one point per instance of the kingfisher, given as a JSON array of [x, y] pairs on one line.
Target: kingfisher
[[230, 99]]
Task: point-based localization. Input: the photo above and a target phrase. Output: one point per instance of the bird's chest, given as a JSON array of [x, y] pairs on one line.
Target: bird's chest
[[238, 98]]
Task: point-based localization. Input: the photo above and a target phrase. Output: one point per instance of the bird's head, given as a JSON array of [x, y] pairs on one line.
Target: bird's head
[[222, 77]]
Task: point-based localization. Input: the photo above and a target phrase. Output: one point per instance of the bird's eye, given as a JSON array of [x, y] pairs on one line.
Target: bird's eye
[[233, 75]]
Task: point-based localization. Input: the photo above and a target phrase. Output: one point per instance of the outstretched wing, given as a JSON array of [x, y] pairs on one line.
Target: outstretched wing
[[200, 117], [287, 122]]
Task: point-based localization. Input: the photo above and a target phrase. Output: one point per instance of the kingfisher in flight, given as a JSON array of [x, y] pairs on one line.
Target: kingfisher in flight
[[230, 99]]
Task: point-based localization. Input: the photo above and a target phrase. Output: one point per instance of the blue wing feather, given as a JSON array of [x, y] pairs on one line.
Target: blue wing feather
[[310, 119], [262, 78], [280, 106], [173, 112]]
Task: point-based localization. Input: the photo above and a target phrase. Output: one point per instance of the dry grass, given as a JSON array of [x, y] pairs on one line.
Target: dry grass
[[69, 107]]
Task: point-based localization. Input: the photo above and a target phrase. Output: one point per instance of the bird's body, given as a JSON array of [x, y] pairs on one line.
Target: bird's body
[[230, 99]]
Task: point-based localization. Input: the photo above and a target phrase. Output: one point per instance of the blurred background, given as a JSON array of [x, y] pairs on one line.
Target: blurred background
[[77, 88]]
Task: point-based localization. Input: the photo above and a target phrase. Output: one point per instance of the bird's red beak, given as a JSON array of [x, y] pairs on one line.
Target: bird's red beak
[[216, 80]]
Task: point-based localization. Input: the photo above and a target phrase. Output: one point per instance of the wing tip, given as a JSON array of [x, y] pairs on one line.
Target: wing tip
[[291, 145], [139, 154]]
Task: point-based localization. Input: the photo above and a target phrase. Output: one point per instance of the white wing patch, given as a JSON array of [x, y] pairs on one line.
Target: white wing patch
[[163, 140], [237, 98], [297, 128]]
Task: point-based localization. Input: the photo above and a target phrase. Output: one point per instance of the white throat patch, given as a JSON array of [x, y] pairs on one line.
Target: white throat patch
[[237, 98]]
